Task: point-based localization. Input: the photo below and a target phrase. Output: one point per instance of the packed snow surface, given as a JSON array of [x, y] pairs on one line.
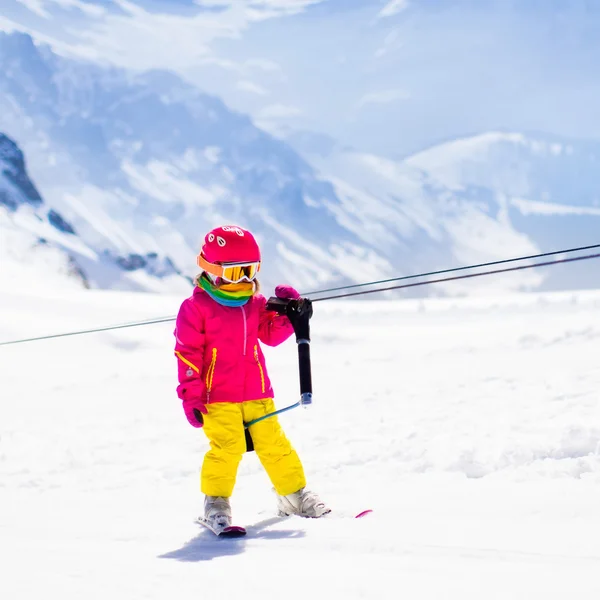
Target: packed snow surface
[[471, 427]]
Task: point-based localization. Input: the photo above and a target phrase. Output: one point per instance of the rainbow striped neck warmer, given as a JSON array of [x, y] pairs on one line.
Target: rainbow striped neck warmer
[[227, 294]]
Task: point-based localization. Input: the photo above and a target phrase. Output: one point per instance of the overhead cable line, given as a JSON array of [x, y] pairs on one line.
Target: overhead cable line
[[364, 292], [469, 276], [107, 328], [453, 270]]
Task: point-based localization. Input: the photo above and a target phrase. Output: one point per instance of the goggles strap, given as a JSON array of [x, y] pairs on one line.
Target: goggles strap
[[209, 267]]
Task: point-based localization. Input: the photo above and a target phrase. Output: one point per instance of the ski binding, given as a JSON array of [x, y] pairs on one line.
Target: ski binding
[[231, 531]]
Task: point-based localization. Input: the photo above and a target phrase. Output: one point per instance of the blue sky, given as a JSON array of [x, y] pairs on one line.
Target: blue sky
[[389, 76]]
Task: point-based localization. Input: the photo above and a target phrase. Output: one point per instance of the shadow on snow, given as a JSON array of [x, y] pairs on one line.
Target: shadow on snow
[[206, 546]]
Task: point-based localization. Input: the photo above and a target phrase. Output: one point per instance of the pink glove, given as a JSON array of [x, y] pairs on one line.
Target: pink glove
[[286, 292], [194, 409]]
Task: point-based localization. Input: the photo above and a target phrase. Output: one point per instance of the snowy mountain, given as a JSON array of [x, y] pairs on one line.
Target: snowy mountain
[[15, 186], [422, 221], [144, 164], [34, 239], [37, 244], [141, 165], [548, 188], [514, 192]]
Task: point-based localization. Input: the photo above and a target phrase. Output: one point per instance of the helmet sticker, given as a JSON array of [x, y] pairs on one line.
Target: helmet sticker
[[235, 229]]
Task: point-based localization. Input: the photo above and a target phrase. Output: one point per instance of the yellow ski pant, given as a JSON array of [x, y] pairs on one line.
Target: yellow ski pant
[[224, 427]]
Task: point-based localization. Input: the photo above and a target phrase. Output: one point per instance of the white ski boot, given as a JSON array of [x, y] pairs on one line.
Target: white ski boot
[[302, 503], [217, 512]]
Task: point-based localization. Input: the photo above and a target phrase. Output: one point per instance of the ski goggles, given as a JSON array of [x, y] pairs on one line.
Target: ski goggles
[[231, 272]]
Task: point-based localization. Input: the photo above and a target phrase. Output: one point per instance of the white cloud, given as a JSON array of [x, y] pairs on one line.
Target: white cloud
[[383, 97], [92, 10], [251, 87], [279, 111], [136, 38], [390, 42], [140, 39], [277, 118], [37, 7], [43, 8], [260, 10], [222, 63], [393, 8], [9, 26], [285, 5], [262, 64]]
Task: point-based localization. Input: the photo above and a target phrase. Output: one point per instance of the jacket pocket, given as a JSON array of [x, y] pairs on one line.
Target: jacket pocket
[[210, 373], [262, 373]]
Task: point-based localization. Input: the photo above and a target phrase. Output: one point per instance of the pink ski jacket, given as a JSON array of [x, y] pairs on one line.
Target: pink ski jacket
[[218, 350]]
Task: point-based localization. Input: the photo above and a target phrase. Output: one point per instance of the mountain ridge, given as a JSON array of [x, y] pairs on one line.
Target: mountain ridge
[[142, 165]]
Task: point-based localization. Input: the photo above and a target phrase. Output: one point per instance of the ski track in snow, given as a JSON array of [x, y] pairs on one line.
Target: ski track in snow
[[471, 427]]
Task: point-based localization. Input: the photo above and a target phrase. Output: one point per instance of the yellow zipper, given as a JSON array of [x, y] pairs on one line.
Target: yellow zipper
[[211, 371], [262, 374]]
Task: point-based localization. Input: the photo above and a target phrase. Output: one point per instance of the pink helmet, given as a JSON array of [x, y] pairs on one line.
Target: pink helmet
[[230, 244]]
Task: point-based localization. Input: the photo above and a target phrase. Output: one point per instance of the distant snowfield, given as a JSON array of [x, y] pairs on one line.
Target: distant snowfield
[[470, 427]]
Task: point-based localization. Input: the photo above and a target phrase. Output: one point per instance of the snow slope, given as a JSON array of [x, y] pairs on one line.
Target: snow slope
[[469, 426]]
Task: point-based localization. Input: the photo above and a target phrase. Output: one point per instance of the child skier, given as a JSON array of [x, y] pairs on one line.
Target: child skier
[[223, 380]]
